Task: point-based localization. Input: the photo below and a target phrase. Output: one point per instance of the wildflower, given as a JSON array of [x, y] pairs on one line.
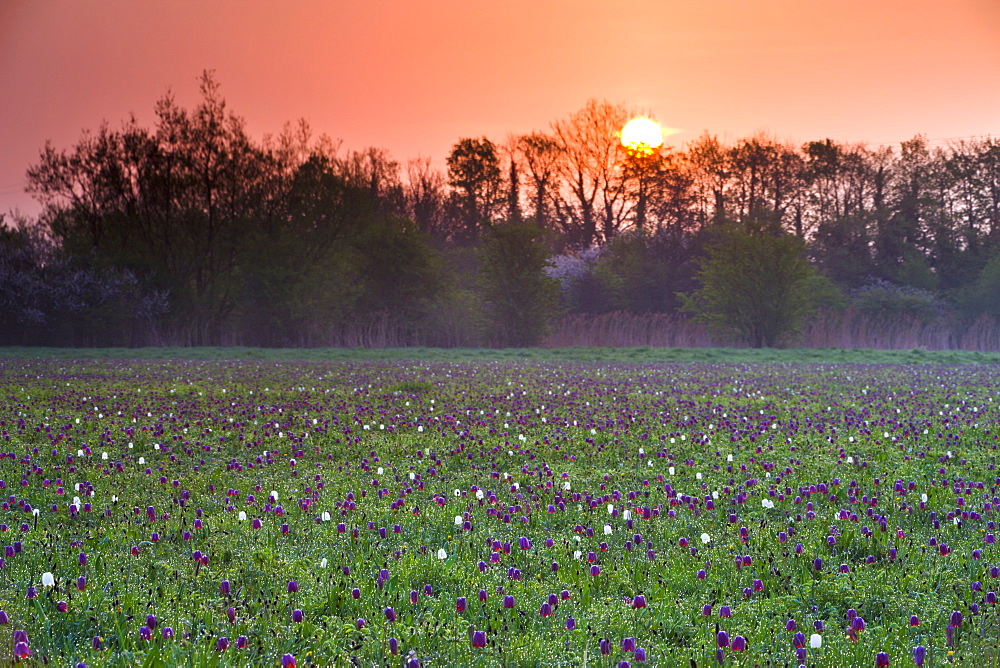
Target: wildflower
[[799, 639], [297, 615], [508, 601], [595, 570], [393, 646], [356, 593], [224, 587], [881, 659], [570, 623], [628, 644], [640, 654], [62, 606], [48, 580], [390, 614], [222, 645], [360, 623], [639, 601], [739, 644], [168, 633], [919, 654], [242, 642], [145, 633], [479, 639], [545, 610], [705, 538], [442, 554], [722, 639], [460, 604], [914, 620], [815, 641], [725, 611], [956, 619], [293, 586], [287, 661]]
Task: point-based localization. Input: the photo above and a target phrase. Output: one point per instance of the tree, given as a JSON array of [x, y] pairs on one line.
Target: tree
[[756, 285], [595, 201], [474, 173], [519, 298]]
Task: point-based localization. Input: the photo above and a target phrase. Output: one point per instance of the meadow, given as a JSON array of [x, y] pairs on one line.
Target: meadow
[[643, 507]]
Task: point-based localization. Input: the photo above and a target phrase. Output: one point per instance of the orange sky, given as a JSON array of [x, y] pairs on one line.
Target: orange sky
[[414, 76]]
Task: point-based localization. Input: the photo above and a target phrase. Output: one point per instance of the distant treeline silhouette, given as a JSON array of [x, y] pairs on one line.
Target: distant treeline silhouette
[[191, 232]]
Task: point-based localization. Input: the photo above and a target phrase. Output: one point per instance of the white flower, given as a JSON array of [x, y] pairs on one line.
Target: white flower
[[458, 520], [670, 470], [815, 641], [705, 538], [923, 497], [611, 508], [697, 476], [381, 470], [442, 554], [48, 580], [420, 429], [626, 515], [273, 496], [607, 529], [326, 516], [577, 554], [243, 516], [729, 458], [566, 485], [322, 564], [479, 494]]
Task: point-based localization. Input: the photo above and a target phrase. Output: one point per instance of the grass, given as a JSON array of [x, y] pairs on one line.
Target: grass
[[870, 466], [641, 355]]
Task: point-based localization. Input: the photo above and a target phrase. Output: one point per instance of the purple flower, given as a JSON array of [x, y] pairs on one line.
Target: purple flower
[[288, 661], [224, 587], [722, 639], [297, 615], [545, 610], [739, 644], [222, 644], [628, 644], [881, 659], [956, 619], [919, 654], [460, 604], [640, 654], [818, 564], [595, 570], [393, 646], [145, 633], [293, 586], [360, 623], [570, 624], [640, 602], [479, 639], [390, 614], [508, 601], [168, 633], [790, 625], [725, 611]]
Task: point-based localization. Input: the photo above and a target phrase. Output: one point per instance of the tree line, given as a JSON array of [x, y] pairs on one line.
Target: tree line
[[191, 232]]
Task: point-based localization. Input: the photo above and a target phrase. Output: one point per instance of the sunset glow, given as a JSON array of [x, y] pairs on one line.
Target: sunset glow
[[642, 135]]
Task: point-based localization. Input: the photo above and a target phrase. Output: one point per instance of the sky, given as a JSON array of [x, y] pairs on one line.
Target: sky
[[415, 76]]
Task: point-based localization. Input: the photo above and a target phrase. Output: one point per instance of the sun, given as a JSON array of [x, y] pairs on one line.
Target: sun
[[642, 135]]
